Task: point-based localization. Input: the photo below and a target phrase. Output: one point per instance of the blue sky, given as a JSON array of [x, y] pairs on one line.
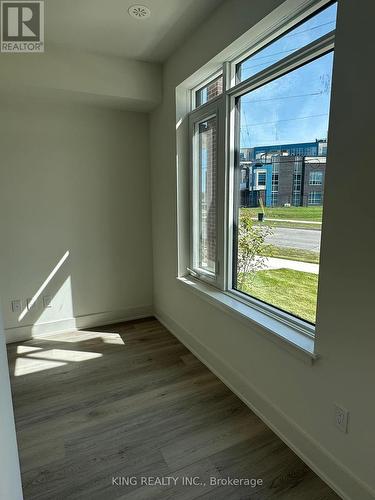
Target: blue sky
[[293, 108]]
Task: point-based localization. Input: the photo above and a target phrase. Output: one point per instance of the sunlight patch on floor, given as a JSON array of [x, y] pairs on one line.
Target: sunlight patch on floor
[[26, 349], [36, 359], [65, 355], [26, 366]]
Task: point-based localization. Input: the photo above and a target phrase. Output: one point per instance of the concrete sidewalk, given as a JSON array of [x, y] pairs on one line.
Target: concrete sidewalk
[[306, 267], [289, 220]]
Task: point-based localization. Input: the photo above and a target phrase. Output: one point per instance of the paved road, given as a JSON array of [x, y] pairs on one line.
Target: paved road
[[304, 239]]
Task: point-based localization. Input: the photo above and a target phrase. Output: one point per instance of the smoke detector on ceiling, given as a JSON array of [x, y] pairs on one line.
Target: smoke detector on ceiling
[[139, 11]]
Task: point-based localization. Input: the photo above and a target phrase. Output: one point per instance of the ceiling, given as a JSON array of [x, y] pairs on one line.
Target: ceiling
[[104, 26]]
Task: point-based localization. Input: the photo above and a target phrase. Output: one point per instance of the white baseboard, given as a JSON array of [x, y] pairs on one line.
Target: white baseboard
[[321, 461], [21, 333], [107, 318]]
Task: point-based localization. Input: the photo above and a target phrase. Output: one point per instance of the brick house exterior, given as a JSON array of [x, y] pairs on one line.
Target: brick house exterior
[[292, 180]]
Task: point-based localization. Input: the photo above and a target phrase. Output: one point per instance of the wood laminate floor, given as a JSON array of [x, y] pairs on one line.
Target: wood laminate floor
[[96, 407]]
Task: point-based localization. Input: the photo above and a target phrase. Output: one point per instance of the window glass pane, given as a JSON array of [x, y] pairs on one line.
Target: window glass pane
[[209, 91], [316, 178], [207, 195], [315, 198], [282, 136], [308, 31], [262, 178]]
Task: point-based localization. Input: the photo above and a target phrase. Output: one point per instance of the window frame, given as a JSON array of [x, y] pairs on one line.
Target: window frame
[[261, 172], [275, 31], [315, 182], [311, 198], [202, 84], [228, 153], [213, 108]]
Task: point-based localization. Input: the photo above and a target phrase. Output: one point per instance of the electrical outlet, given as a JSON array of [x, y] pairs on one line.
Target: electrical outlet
[[47, 301], [29, 304], [17, 306], [341, 416]]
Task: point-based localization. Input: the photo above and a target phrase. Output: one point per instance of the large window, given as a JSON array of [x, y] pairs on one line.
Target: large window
[[316, 178], [315, 198], [257, 190]]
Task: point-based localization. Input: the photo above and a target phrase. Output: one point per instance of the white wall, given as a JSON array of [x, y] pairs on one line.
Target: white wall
[[10, 479], [114, 81], [73, 178], [294, 397]]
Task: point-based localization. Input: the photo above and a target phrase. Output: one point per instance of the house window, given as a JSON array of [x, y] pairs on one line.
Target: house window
[[213, 89], [261, 179], [296, 199], [315, 198], [316, 178], [297, 180], [274, 199], [277, 107], [275, 182]]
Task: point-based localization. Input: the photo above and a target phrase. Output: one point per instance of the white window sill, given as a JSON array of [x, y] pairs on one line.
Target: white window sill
[[288, 337]]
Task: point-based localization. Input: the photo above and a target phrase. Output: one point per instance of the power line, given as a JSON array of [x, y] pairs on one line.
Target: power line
[[249, 101], [269, 55], [309, 29], [263, 64], [251, 59], [269, 63], [283, 120]]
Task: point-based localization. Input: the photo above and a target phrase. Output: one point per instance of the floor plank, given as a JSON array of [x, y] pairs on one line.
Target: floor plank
[[95, 407]]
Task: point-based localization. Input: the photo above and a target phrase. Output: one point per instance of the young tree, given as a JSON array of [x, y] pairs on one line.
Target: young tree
[[251, 245]]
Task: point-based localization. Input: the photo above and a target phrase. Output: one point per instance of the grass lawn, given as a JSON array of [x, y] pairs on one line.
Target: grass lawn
[[291, 254], [292, 291], [292, 213]]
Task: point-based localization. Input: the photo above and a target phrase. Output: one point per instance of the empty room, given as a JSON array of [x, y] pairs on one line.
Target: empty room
[[186, 250]]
